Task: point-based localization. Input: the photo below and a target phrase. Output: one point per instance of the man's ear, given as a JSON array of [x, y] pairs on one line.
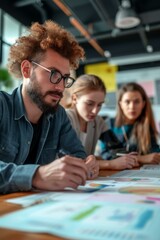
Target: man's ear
[[26, 68]]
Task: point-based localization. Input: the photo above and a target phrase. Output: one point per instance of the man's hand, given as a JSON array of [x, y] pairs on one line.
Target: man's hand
[[64, 172]]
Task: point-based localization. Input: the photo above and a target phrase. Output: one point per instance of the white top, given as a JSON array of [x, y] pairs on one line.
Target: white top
[[94, 130]]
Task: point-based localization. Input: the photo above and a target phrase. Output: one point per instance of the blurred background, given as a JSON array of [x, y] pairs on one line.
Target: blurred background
[[121, 39]]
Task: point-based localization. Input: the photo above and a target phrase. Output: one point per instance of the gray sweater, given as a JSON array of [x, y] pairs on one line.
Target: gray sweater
[[94, 130]]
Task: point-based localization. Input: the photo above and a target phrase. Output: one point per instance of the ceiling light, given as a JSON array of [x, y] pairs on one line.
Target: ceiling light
[[149, 49], [126, 17], [107, 54]]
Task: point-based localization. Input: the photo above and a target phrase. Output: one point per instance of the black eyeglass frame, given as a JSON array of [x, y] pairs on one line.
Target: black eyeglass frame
[[53, 71]]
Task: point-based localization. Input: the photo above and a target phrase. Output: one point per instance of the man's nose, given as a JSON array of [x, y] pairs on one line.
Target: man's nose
[[60, 86]]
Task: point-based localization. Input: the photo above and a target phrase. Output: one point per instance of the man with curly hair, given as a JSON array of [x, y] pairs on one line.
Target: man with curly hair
[[38, 147]]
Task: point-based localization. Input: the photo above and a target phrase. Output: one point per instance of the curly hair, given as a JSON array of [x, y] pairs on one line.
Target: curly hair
[[40, 38]]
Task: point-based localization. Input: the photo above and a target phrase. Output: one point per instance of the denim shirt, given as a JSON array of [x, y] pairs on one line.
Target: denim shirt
[[16, 134]]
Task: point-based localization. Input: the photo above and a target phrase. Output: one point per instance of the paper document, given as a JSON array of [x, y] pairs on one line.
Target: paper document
[[81, 193], [118, 189], [88, 220], [137, 173], [27, 201], [153, 167]]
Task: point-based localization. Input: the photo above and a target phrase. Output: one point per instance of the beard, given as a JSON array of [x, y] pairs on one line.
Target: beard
[[35, 94]]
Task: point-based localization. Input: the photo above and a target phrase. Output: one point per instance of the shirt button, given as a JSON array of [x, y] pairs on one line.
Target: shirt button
[[29, 142]]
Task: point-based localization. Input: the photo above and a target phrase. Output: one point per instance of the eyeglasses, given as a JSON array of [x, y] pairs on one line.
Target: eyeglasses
[[56, 76]]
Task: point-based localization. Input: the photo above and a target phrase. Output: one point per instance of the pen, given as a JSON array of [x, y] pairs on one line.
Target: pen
[[120, 154]]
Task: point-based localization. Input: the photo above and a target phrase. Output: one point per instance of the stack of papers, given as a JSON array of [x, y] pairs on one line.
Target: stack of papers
[[88, 220], [123, 206], [151, 167], [150, 173]]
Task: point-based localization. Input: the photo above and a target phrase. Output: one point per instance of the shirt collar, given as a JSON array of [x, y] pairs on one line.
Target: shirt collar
[[18, 103]]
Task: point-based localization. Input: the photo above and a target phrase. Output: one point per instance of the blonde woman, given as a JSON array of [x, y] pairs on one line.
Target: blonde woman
[[87, 96]]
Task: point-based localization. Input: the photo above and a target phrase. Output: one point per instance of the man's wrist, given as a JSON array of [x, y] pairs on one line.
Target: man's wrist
[[36, 178]]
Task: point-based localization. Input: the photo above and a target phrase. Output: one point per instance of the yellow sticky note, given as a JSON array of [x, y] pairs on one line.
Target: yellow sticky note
[[106, 72]]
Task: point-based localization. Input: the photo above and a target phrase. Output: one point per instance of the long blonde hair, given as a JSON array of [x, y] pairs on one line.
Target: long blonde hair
[[85, 83], [144, 124]]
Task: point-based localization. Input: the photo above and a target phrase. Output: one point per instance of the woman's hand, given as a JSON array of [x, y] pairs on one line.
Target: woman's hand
[[127, 161], [92, 167], [152, 158]]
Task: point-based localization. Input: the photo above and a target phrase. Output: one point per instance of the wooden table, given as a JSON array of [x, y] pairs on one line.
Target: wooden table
[[6, 207]]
